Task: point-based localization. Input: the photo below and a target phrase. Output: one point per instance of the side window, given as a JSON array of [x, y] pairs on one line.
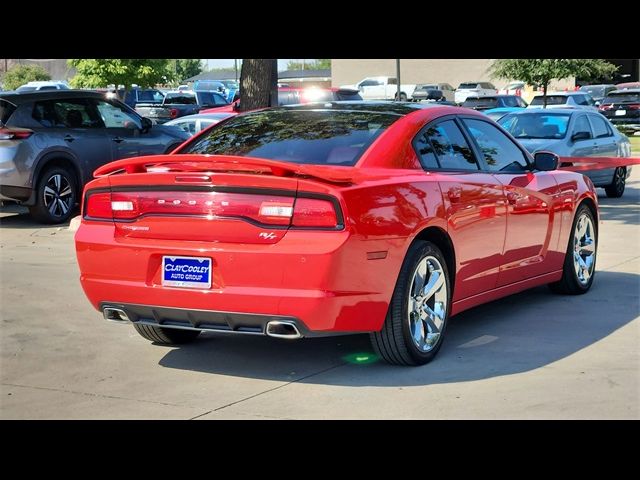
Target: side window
[[521, 102], [500, 153], [392, 81], [68, 113], [600, 127], [189, 127], [367, 82], [116, 117], [443, 146], [511, 101], [219, 100], [580, 100], [582, 125]]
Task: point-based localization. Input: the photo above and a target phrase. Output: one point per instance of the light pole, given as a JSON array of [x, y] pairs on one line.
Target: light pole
[[398, 77]]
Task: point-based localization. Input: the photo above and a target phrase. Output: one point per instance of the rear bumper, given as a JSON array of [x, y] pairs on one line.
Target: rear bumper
[[206, 320], [323, 280]]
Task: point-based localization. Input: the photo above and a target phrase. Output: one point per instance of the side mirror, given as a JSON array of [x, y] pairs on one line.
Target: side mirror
[[146, 124], [580, 136], [545, 161]]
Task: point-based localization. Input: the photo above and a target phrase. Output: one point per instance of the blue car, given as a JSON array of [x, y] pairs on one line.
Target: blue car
[[573, 133]]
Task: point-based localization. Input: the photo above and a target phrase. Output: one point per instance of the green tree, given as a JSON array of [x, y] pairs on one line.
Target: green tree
[[98, 72], [540, 71], [184, 68], [315, 64], [20, 74]]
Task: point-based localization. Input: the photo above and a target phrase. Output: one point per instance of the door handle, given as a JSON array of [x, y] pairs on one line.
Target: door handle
[[69, 138], [118, 139]]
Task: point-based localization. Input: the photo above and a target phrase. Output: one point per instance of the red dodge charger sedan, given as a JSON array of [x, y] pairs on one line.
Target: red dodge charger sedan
[[333, 218]]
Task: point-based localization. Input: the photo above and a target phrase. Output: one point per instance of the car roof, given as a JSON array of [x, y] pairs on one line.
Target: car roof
[[198, 116], [628, 90], [552, 111], [397, 108], [30, 96]]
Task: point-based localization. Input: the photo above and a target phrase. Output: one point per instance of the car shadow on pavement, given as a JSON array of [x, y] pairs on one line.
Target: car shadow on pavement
[[625, 209], [17, 216], [516, 334]]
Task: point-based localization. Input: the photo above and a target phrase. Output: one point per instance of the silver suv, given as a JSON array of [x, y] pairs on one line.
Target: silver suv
[[51, 142]]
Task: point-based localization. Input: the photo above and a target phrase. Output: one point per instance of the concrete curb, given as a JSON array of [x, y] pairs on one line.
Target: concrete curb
[[75, 223]]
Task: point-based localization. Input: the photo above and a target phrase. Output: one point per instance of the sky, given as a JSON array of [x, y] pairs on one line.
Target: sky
[[228, 63]]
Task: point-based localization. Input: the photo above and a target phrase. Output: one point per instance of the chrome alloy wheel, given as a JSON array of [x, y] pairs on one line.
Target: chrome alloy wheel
[[427, 303], [584, 249], [58, 195]]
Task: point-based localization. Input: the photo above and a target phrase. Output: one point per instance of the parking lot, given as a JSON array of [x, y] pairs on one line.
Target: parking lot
[[529, 356]]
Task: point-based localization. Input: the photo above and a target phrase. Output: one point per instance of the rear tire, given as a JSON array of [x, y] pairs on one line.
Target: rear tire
[[166, 336], [579, 267], [616, 189], [416, 321], [56, 196]]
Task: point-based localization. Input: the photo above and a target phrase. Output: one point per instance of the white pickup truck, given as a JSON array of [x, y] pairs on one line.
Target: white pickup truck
[[382, 88]]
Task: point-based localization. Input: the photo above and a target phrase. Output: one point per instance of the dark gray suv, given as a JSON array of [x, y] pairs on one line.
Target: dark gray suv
[[51, 142]]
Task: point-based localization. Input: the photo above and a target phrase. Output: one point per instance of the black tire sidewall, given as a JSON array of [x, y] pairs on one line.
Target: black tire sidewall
[[40, 210], [416, 253], [570, 271]]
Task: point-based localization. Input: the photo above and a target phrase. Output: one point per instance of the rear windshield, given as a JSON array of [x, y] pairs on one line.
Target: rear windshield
[[594, 91], [317, 137], [489, 102], [150, 96], [551, 100], [347, 96], [427, 87], [622, 97], [536, 125], [180, 98], [6, 110], [468, 86]]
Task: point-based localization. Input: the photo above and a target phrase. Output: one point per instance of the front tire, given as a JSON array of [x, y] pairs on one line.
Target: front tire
[[580, 260], [416, 321], [403, 97], [166, 336], [616, 189], [56, 196]]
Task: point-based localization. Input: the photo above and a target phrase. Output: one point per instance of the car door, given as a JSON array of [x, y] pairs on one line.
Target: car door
[[474, 205], [122, 128], [71, 125], [372, 89], [532, 234], [605, 145]]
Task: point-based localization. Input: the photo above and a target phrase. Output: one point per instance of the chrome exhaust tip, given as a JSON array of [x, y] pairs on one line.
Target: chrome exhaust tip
[[115, 315], [279, 329]]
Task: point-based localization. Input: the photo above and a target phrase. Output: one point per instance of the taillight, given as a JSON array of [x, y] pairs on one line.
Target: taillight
[[98, 206], [605, 107], [173, 113], [272, 210], [633, 106], [269, 210], [313, 212], [14, 133]]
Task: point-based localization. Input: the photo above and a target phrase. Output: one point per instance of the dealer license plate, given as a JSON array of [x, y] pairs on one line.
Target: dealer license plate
[[187, 272]]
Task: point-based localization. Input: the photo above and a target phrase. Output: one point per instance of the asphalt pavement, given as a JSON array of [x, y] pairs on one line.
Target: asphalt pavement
[[534, 355]]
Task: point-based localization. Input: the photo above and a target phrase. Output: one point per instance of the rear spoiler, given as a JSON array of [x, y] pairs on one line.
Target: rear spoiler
[[226, 163], [580, 164]]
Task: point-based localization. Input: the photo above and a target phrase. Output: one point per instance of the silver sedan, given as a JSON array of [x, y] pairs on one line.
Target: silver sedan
[[573, 133]]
